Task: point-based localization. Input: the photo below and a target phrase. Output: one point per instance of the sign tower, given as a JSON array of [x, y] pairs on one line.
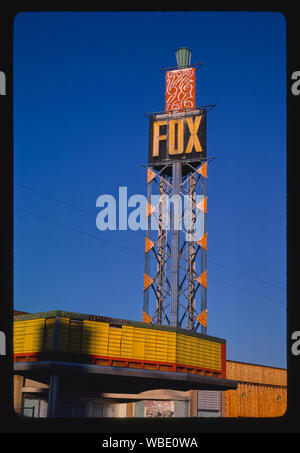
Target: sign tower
[[175, 273]]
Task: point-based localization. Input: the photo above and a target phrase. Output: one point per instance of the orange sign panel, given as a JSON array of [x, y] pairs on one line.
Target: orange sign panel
[[180, 89], [202, 205], [150, 175], [150, 209], [203, 241], [203, 170], [147, 281], [202, 279], [148, 244], [202, 318], [146, 317]]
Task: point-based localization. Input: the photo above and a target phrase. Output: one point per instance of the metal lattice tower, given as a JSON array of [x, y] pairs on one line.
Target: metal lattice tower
[[178, 275], [175, 273]]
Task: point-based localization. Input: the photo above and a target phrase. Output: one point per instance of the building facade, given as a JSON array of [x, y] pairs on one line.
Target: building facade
[[261, 392]]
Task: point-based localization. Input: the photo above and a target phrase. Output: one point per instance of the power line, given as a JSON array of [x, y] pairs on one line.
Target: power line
[[55, 199], [133, 251], [246, 291], [246, 274], [78, 231], [138, 232]]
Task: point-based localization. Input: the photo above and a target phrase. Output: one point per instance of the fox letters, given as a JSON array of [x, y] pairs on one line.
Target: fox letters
[[177, 138]]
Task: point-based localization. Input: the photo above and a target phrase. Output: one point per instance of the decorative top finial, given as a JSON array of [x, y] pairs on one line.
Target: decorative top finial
[[183, 57]]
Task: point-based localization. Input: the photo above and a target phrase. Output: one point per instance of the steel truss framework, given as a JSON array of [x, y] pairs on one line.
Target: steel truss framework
[[175, 274]]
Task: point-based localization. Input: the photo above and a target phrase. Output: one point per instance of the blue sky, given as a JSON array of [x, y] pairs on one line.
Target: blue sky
[[82, 82]]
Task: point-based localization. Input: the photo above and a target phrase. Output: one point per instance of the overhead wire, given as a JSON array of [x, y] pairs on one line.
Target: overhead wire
[[26, 211], [138, 232]]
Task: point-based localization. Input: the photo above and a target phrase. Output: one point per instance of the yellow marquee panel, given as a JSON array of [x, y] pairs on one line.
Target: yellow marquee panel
[[49, 334], [127, 342], [29, 336], [63, 335]]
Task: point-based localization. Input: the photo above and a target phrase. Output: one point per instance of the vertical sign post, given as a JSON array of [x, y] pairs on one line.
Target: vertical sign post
[[175, 252]]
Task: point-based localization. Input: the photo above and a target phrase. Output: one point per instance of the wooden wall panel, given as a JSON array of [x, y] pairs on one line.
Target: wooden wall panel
[[262, 391], [256, 401], [18, 385], [256, 373]]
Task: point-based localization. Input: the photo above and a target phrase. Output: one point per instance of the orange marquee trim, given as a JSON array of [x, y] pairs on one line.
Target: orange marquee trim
[[137, 363]]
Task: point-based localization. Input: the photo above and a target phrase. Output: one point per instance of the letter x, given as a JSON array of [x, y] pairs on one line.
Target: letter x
[[193, 141]]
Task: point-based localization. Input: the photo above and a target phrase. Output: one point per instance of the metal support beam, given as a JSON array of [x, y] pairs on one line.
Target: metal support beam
[[191, 261], [176, 175], [176, 256], [53, 396], [203, 260], [147, 254]]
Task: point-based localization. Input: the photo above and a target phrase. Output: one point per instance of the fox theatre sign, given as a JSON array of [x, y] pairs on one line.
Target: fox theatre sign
[[179, 133], [177, 137]]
